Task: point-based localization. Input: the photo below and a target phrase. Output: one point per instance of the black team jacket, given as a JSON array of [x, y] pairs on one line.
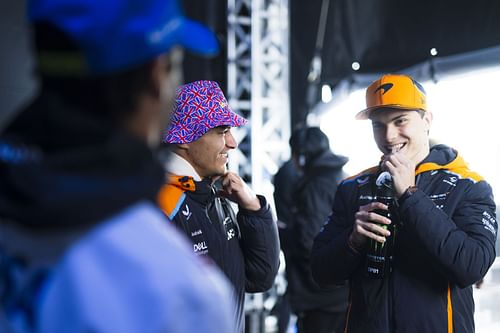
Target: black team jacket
[[245, 245], [444, 243]]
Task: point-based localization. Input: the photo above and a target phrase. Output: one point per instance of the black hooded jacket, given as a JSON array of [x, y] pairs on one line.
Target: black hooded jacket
[[313, 198], [444, 242], [244, 246]]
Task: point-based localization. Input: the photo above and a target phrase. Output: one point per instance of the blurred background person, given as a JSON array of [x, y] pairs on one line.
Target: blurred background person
[[284, 182], [318, 309]]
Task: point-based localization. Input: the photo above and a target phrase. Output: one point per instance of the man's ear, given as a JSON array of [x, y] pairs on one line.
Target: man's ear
[[181, 149], [428, 119]]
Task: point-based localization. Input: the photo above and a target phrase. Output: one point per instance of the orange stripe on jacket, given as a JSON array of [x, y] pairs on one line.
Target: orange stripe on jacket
[[457, 166], [171, 195], [450, 311], [368, 171]]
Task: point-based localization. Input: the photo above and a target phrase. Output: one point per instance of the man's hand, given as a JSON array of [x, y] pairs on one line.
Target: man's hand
[[402, 170], [236, 190], [369, 224]]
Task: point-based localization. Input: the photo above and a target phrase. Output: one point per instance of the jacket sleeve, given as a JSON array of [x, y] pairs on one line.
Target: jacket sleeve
[[332, 260], [260, 245], [463, 244]]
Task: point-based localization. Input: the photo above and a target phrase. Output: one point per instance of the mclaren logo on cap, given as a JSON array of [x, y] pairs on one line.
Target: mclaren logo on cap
[[385, 88]]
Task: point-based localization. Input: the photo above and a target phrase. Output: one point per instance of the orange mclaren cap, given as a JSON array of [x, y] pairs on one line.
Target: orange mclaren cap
[[394, 91]]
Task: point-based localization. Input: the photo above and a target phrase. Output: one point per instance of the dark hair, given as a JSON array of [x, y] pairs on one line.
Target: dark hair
[[308, 142], [112, 95]]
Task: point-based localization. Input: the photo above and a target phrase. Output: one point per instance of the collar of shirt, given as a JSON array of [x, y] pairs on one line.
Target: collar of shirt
[[179, 166]]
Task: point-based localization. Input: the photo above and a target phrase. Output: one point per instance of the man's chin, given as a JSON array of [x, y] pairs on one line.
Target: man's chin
[[221, 172]]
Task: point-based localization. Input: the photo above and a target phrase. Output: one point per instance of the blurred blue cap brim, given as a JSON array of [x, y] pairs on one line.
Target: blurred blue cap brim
[[196, 38]]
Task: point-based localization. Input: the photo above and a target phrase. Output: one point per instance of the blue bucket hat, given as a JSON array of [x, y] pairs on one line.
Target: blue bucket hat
[[114, 35]]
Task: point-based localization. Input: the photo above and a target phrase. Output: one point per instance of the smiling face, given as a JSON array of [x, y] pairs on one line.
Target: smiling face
[[208, 155], [406, 131]]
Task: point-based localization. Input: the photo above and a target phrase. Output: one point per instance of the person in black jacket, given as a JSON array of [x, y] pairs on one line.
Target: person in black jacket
[[442, 217], [284, 182], [318, 309], [199, 190]]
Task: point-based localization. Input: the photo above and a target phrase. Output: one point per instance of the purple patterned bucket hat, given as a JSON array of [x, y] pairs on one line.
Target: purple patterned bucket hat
[[199, 107]]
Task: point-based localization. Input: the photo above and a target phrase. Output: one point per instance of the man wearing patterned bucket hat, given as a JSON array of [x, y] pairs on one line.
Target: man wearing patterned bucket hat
[[438, 227], [245, 246], [83, 244]]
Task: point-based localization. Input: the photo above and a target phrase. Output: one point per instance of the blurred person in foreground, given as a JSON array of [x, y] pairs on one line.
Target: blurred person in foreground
[[198, 194], [318, 310], [442, 217], [83, 245]]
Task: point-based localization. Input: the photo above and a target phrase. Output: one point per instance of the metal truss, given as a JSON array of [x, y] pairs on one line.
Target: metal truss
[[258, 87]]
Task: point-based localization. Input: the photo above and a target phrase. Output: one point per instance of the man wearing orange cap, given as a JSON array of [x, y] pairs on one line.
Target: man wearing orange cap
[[435, 234]]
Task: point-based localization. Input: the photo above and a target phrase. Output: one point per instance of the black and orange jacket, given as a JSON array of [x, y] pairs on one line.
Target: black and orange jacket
[[444, 243], [245, 245]]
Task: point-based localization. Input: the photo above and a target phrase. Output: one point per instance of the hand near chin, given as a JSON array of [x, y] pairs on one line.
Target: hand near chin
[[236, 190], [402, 170]]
